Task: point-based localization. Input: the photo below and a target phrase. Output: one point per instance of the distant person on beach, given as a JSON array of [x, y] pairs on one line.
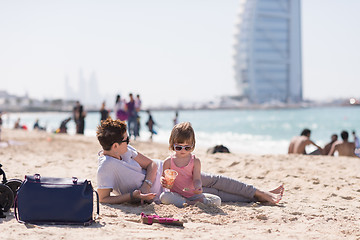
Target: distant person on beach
[[150, 123], [1, 122], [137, 103], [357, 144], [133, 177], [299, 143], [17, 125], [328, 146], [63, 127], [120, 109], [175, 120], [344, 147], [37, 126], [79, 118], [104, 112], [132, 115], [356, 139], [138, 108]]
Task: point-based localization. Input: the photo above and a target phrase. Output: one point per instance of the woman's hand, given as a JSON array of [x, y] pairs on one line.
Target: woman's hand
[[143, 196], [145, 188]]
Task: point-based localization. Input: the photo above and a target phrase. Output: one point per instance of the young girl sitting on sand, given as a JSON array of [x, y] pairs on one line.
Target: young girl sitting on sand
[[187, 187], [191, 182]]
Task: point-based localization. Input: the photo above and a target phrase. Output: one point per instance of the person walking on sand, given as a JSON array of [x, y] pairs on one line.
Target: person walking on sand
[[175, 119], [1, 122], [132, 115], [79, 117], [344, 147], [138, 103], [120, 108], [137, 108], [187, 187], [328, 146], [356, 139], [150, 123], [299, 143], [104, 113], [133, 177]]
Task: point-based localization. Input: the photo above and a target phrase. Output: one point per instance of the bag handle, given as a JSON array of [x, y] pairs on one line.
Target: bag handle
[[97, 202], [15, 210], [97, 210], [97, 205], [15, 207], [37, 177]]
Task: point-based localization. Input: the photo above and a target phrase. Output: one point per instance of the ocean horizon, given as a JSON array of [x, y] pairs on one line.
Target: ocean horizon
[[255, 131]]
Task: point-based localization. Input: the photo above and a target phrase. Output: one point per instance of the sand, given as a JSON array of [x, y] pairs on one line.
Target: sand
[[321, 201]]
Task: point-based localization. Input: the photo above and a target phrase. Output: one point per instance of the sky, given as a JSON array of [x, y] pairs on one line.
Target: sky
[[169, 52]]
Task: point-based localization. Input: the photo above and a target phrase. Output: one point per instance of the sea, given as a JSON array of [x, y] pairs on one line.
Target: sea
[[255, 131]]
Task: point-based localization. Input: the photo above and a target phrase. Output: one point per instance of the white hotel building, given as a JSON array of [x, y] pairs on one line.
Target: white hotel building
[[268, 51]]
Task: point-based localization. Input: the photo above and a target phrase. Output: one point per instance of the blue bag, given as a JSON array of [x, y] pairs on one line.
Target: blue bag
[[45, 200]]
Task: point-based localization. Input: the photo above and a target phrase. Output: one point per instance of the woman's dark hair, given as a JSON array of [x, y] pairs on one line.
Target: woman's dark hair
[[109, 132], [117, 98]]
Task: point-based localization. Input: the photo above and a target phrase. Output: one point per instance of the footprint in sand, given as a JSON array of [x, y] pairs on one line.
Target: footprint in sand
[[316, 181], [347, 198], [234, 164], [262, 217]]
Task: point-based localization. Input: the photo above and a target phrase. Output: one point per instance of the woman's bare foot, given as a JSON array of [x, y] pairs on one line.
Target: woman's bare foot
[[273, 197], [279, 190]]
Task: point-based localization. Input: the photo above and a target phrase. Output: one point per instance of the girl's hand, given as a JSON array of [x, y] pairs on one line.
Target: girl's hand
[[195, 191], [164, 183], [198, 190], [145, 188]]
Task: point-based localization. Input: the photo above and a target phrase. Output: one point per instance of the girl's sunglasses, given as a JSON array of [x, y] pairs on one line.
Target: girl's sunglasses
[[179, 148]]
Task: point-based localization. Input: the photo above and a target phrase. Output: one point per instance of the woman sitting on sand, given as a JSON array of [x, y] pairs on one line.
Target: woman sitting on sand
[[134, 177]]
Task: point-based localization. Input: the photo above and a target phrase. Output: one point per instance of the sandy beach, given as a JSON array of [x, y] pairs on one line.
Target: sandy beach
[[321, 200]]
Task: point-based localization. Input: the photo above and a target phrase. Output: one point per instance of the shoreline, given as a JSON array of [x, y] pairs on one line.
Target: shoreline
[[161, 109], [321, 199]]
